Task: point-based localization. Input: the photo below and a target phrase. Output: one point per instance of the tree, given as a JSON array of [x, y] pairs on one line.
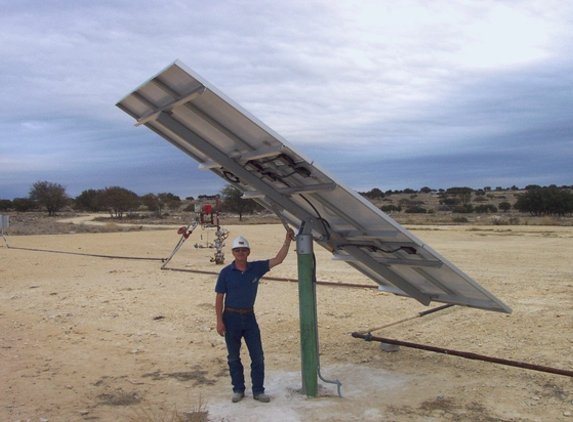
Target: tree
[[459, 191], [50, 195], [151, 201], [450, 201], [5, 204], [89, 200], [118, 201], [169, 200], [159, 202], [485, 208], [545, 201], [504, 206], [23, 204], [232, 201], [373, 194]]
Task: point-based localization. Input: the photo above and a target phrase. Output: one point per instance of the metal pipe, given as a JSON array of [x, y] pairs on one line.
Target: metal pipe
[[466, 355], [337, 382], [87, 254], [308, 323], [418, 315], [290, 280], [185, 232]]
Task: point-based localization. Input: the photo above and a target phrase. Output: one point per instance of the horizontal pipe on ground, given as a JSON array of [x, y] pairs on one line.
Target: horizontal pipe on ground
[[87, 254], [289, 280], [467, 355]]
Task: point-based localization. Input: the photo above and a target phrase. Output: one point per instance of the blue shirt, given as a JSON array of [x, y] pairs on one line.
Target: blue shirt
[[240, 288]]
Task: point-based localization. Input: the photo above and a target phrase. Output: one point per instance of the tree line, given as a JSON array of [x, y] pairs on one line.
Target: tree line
[[535, 200], [118, 201]]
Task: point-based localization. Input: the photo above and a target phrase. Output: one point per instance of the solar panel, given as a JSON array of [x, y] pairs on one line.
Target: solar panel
[[197, 118]]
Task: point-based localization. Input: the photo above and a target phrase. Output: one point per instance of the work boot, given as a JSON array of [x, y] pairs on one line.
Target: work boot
[[263, 398], [237, 397]]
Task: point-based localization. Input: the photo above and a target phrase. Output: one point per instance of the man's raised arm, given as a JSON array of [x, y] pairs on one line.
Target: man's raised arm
[[281, 255]]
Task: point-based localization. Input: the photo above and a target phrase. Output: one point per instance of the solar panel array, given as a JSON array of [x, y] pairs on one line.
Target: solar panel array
[[197, 118]]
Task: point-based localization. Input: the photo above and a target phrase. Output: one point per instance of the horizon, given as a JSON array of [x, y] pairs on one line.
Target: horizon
[[418, 190]]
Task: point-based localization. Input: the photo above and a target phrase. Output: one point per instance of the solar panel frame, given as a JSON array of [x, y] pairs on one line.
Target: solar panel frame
[[197, 118]]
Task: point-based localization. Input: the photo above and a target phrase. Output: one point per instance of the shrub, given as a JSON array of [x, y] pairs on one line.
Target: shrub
[[373, 194], [464, 209], [416, 210], [5, 204], [505, 206], [486, 208], [450, 201], [390, 208], [457, 191], [24, 204], [545, 201]]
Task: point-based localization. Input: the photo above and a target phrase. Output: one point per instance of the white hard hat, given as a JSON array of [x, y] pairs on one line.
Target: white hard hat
[[240, 242]]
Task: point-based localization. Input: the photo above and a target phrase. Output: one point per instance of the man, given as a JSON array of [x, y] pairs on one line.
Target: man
[[236, 293]]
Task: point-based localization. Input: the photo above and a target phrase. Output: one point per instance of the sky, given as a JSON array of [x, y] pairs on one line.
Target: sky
[[383, 94]]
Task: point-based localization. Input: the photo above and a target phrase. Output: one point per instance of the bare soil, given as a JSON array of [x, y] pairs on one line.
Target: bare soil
[[93, 329]]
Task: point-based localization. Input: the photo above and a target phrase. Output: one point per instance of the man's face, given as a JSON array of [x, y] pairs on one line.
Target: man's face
[[241, 253]]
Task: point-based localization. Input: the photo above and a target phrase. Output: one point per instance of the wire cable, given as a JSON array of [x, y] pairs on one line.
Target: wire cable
[[337, 382], [324, 222]]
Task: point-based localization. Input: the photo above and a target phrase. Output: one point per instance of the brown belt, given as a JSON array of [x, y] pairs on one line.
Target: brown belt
[[239, 311]]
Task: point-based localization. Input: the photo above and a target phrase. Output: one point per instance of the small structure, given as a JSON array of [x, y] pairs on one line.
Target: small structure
[[4, 223], [208, 218]]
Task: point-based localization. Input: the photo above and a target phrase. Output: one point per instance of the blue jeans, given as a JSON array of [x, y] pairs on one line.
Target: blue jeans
[[238, 326]]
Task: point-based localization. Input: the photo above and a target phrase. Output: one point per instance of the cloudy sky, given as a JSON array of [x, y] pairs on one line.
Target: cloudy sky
[[387, 94]]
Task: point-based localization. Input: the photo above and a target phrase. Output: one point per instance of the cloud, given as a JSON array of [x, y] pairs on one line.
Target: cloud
[[358, 86]]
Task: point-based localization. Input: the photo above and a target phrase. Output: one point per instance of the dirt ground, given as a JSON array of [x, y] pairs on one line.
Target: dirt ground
[[86, 337]]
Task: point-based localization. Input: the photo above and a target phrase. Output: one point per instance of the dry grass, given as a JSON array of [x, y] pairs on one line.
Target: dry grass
[[28, 224], [119, 398], [198, 413]]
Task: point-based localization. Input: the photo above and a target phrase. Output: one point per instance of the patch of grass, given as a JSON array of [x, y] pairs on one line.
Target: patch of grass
[[198, 376], [198, 413], [119, 398]]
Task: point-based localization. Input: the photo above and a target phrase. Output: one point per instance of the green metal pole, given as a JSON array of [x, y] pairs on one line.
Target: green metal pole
[[308, 324]]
